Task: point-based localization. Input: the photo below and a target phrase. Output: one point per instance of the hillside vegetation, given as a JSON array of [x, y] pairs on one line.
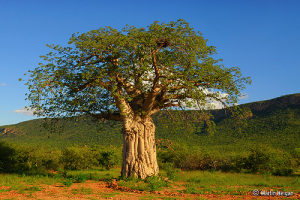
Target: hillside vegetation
[[275, 123], [267, 143]]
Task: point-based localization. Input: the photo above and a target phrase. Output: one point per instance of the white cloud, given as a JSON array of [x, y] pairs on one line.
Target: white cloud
[[209, 102], [24, 111], [215, 105], [2, 84], [245, 96]]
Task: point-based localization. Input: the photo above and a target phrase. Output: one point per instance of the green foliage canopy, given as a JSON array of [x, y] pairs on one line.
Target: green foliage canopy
[[105, 71]]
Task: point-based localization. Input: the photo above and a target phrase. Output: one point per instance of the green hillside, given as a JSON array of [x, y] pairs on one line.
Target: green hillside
[[275, 122]]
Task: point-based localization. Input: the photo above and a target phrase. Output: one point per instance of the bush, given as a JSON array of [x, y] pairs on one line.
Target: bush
[[8, 157], [283, 171], [266, 159], [81, 178], [109, 158], [193, 161], [261, 159], [296, 156], [186, 158], [27, 159], [296, 153], [172, 153], [39, 159], [77, 158], [172, 172], [68, 182]]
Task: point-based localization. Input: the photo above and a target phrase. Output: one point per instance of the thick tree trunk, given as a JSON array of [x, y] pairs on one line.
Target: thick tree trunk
[[139, 149]]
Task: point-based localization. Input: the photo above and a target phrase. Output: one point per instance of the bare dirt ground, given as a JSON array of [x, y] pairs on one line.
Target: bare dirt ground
[[92, 190]]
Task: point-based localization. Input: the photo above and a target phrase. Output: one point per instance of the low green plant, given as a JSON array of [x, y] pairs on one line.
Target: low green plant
[[33, 189], [133, 183], [29, 189], [297, 182], [191, 188], [195, 180], [155, 183], [94, 176], [268, 176], [82, 190], [57, 175], [68, 182], [172, 172], [107, 177], [81, 178], [5, 190]]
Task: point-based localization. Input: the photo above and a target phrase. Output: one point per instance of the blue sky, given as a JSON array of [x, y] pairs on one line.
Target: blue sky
[[261, 37]]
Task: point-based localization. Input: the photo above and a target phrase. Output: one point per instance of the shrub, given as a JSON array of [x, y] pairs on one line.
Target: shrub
[[296, 153], [81, 178], [296, 156], [8, 157], [27, 159], [193, 161], [266, 159], [172, 153], [68, 182], [283, 171], [77, 158], [109, 158], [50, 160], [187, 158], [40, 159]]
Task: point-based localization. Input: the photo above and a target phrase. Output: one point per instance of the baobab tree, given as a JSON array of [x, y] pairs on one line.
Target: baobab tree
[[130, 75]]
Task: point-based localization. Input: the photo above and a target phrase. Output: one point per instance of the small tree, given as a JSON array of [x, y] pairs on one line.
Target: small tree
[[130, 75]]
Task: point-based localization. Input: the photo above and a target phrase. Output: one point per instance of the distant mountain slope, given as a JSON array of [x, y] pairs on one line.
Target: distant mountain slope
[[275, 122], [265, 107], [279, 102], [11, 131]]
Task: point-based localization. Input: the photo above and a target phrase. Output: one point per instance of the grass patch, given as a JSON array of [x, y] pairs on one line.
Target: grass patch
[[29, 189], [198, 182], [93, 174], [5, 190], [134, 184], [189, 182], [92, 198], [16, 181], [154, 197], [82, 191], [109, 194], [153, 183]]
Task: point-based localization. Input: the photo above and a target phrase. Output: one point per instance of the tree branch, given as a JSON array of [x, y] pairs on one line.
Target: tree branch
[[113, 116]]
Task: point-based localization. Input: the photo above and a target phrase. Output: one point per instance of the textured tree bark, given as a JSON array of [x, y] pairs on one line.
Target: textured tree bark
[[139, 149]]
